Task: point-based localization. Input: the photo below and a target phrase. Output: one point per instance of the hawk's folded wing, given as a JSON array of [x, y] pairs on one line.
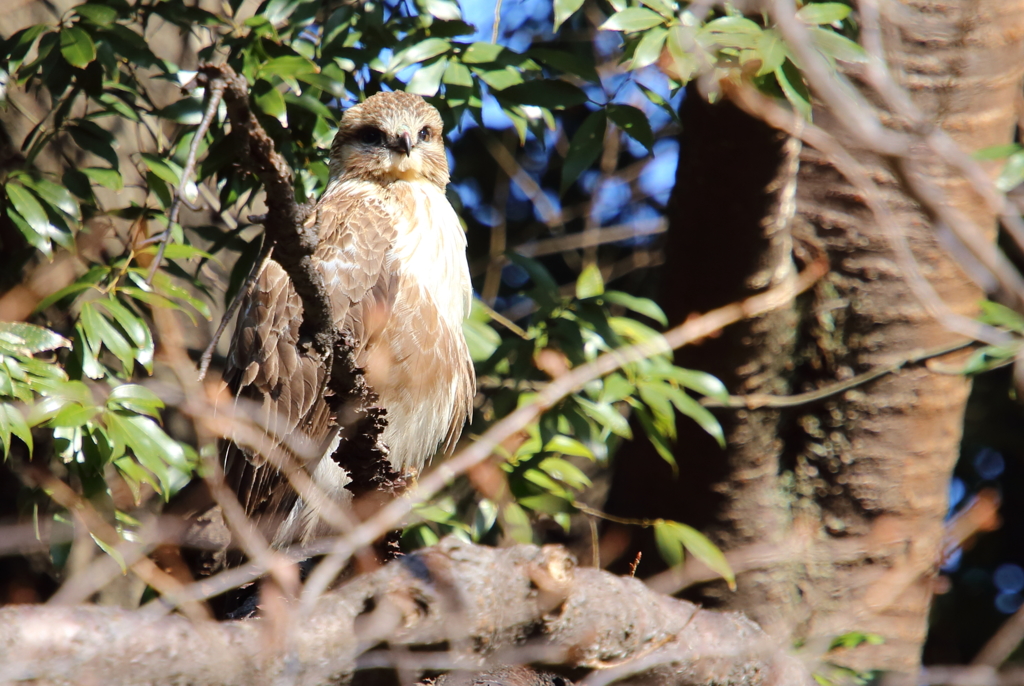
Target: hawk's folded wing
[[269, 367]]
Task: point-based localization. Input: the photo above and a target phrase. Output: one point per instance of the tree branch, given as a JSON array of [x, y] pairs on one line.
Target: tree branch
[[485, 605]]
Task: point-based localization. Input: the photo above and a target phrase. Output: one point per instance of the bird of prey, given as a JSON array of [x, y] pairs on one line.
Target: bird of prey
[[392, 253]]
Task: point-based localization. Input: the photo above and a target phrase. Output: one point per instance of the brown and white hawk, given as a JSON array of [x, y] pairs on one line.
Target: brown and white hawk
[[392, 253]]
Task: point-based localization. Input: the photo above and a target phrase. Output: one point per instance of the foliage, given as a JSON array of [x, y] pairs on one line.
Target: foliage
[[79, 381]]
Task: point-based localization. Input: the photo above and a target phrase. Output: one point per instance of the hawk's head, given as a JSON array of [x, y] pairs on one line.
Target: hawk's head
[[391, 136]]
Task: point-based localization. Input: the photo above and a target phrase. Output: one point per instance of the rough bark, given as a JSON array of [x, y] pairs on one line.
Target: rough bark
[[477, 604], [867, 471]]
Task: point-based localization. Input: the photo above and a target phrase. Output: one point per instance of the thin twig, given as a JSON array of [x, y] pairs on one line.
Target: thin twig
[[216, 93], [759, 400]]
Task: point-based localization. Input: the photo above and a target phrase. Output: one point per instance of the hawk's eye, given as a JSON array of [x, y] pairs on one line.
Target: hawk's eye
[[425, 134], [371, 136]]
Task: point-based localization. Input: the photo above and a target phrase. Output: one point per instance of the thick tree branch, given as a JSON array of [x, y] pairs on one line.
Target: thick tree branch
[[291, 240], [485, 605]]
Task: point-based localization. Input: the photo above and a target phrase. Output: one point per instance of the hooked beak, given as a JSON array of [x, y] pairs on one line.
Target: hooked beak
[[405, 143]]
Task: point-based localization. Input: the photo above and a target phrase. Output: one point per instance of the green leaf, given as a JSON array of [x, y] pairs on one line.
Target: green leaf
[[95, 13], [566, 62], [823, 12], [671, 537], [28, 339], [272, 102], [35, 239], [77, 47], [585, 148], [607, 417], [565, 9], [133, 326], [681, 44], [161, 168], [12, 422], [633, 19], [427, 79], [553, 94], [648, 50], [287, 65], [187, 111], [18, 45], [419, 52], [988, 358], [72, 415], [30, 210], [665, 8], [481, 339], [499, 79], [96, 140], [99, 330], [590, 282], [772, 51], [567, 445], [660, 101], [669, 544], [794, 89], [324, 83], [540, 276], [458, 74], [634, 122], [997, 152], [698, 413], [108, 178], [702, 382], [733, 25], [516, 523], [644, 306], [56, 195], [838, 47], [446, 10], [135, 398], [996, 314], [1012, 174], [480, 53]]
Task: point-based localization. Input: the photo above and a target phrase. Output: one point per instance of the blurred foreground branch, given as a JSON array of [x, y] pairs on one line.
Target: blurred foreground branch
[[479, 601]]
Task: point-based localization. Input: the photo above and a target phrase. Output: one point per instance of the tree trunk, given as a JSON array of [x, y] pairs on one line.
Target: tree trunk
[[860, 477]]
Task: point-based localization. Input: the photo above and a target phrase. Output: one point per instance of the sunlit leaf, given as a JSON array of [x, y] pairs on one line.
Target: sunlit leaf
[[590, 283], [13, 423], [481, 53], [96, 13], [633, 19], [567, 445], [1012, 174], [29, 208], [565, 9], [481, 339], [419, 52], [823, 12], [837, 46], [77, 46], [108, 178], [427, 79], [28, 339]]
